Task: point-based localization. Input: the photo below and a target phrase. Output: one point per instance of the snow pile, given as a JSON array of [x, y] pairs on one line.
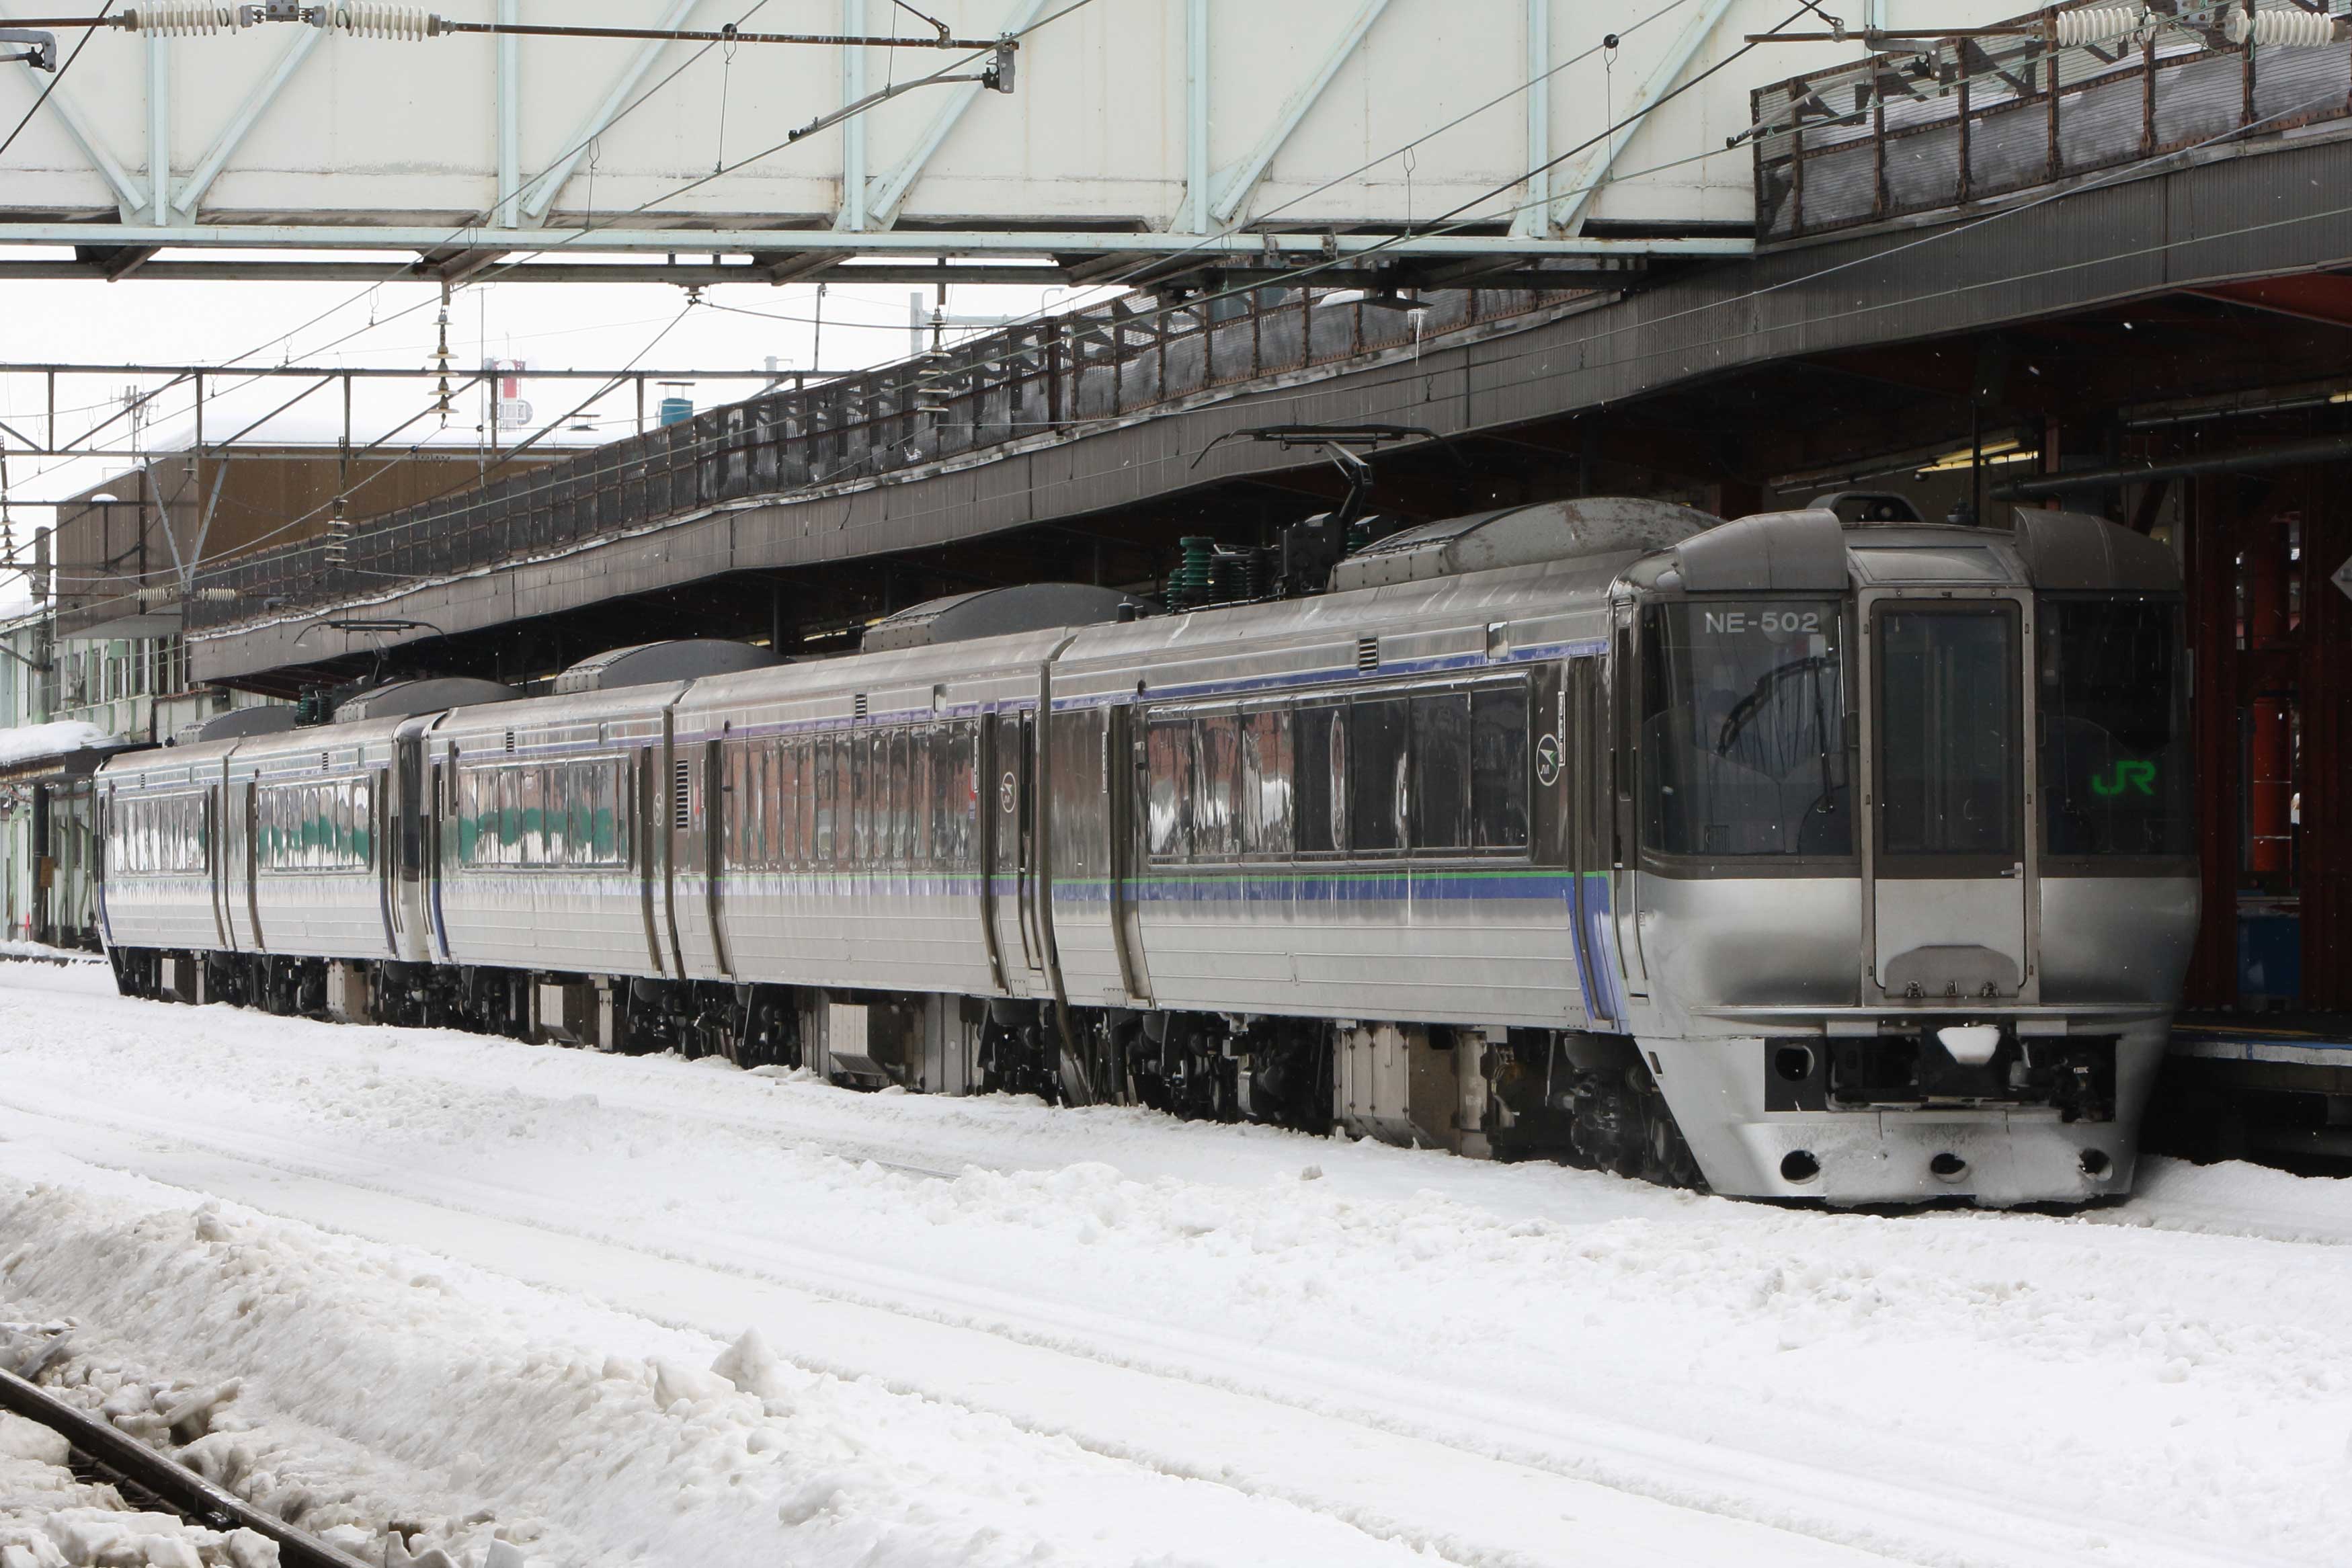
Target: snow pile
[[27, 742], [381, 1403], [49, 1519]]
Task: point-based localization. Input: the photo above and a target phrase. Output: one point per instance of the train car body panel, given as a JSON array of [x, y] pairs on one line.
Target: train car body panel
[[863, 843], [544, 859], [165, 850]]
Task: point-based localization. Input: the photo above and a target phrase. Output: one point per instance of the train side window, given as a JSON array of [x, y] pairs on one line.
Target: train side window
[[806, 761], [959, 798], [580, 825], [919, 796], [1168, 756], [1266, 767], [1377, 752], [532, 786], [783, 804], [857, 755], [846, 761], [821, 844], [757, 804], [1318, 778], [463, 788], [1440, 792], [510, 817], [363, 825], [1498, 768], [1217, 783], [735, 806], [587, 837], [902, 787], [555, 818]]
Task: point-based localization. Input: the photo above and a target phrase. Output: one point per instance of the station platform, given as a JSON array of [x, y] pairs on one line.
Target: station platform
[[2318, 1039], [2274, 1087]]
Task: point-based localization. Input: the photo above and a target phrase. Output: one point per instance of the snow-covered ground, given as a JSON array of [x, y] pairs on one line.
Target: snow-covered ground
[[479, 1287]]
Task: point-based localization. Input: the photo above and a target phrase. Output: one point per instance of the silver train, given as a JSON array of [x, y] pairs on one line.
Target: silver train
[[1805, 856]]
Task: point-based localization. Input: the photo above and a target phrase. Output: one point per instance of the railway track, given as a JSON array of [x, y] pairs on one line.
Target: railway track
[[146, 1477]]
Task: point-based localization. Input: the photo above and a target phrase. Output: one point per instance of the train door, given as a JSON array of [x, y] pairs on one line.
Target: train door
[[441, 799], [383, 840], [1577, 745], [1012, 852], [404, 816], [1621, 697], [216, 860], [101, 812], [245, 832], [1949, 855], [1122, 776], [653, 887], [710, 860], [673, 795]]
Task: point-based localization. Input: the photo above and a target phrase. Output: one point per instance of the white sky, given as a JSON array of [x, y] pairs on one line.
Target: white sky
[[588, 326]]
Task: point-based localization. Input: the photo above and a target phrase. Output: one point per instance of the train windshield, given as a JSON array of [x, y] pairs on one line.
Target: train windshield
[[2114, 751], [1744, 729]]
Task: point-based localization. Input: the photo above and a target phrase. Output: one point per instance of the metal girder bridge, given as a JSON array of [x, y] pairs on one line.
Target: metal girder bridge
[[1381, 142]]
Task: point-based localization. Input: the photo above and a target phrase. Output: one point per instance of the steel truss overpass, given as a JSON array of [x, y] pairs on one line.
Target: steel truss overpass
[[1126, 139]]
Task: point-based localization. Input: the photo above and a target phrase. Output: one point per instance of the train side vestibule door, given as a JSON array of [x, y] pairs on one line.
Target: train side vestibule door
[[1949, 861], [1013, 851]]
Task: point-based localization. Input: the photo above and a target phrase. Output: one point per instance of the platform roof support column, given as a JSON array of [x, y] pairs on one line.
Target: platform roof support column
[[510, 57], [1588, 174], [1195, 218], [852, 217], [1535, 217], [159, 128]]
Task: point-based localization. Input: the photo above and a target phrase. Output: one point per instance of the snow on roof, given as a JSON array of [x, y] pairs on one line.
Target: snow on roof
[[29, 741]]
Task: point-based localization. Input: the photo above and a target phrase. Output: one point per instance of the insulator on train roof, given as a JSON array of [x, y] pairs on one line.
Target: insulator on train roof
[[1193, 582]]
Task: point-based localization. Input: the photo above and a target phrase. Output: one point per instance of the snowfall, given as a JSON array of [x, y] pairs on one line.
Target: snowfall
[[468, 1302]]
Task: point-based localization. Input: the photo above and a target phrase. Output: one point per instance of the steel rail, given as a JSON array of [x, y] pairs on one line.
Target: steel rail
[[203, 1503]]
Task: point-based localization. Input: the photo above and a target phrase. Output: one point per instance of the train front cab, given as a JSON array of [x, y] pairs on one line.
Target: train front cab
[[1914, 892]]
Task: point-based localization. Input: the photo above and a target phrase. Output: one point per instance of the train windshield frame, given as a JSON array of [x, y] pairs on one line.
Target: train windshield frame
[[1747, 740], [2112, 703]]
